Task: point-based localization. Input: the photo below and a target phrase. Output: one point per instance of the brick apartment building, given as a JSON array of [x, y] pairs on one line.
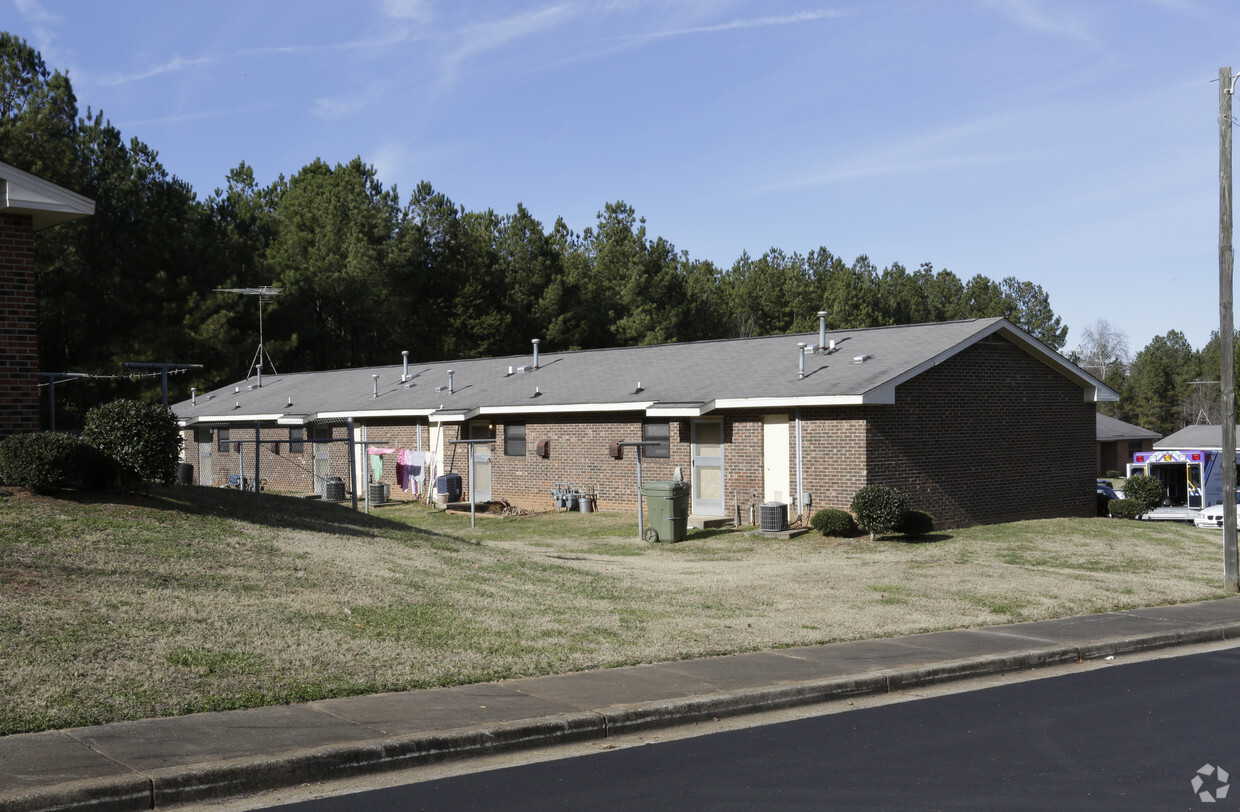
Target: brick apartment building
[[975, 421], [28, 204]]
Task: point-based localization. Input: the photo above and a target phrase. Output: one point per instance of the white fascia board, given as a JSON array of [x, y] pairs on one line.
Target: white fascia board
[[237, 418], [375, 413], [881, 395], [48, 203], [565, 408], [681, 411], [451, 416]]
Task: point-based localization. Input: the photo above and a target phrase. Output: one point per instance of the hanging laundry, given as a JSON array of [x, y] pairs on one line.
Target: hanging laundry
[[409, 465], [376, 461], [402, 470]]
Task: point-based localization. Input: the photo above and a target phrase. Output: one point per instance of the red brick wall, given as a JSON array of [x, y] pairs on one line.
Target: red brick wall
[[578, 456], [834, 454], [990, 435], [19, 339]]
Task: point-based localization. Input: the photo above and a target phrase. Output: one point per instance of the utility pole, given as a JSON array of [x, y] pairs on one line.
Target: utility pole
[[1231, 565]]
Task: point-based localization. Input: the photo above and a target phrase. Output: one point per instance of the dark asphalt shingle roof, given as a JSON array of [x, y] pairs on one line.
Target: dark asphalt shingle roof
[[1110, 429], [686, 375]]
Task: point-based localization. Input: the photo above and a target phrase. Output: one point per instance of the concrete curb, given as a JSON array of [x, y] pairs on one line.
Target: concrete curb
[[221, 779]]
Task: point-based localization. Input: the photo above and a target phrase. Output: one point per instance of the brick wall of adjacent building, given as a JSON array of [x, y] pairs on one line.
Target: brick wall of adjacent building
[[990, 435], [19, 339]]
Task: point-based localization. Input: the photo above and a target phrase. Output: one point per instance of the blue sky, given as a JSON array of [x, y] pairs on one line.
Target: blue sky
[[1072, 143]]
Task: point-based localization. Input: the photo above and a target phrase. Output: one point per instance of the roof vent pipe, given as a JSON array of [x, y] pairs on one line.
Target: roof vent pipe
[[536, 343], [822, 329], [801, 346], [404, 375], [376, 380], [450, 374], [193, 395]]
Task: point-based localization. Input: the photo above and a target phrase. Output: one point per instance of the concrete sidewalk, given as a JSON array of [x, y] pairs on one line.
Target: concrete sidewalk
[[157, 763]]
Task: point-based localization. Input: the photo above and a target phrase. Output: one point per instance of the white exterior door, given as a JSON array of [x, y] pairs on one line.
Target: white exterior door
[[776, 480], [708, 467]]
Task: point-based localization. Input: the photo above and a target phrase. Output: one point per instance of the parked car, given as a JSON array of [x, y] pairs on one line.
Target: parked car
[[1105, 489], [1210, 518]]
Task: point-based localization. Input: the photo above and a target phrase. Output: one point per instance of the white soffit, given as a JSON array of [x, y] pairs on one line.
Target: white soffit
[[47, 203]]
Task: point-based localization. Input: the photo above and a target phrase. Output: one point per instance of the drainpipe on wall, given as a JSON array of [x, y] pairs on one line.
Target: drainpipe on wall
[[800, 468]]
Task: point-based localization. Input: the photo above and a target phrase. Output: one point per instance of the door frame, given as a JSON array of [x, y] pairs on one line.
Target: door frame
[[776, 459], [707, 507]]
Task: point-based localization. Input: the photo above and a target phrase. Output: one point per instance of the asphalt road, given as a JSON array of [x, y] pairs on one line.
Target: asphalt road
[[1127, 737]]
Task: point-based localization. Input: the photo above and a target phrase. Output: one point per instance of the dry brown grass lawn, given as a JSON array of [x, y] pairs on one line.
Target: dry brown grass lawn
[[196, 599]]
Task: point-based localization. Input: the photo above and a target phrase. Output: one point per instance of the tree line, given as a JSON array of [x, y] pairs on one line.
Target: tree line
[[1165, 386], [365, 275]]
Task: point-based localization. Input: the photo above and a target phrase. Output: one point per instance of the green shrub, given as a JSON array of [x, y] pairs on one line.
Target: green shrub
[[47, 461], [1147, 491], [1125, 508], [916, 523], [142, 437], [879, 508], [833, 522], [1113, 474]]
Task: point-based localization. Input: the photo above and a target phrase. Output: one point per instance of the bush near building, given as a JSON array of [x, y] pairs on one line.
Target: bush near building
[[879, 508], [142, 437], [833, 522]]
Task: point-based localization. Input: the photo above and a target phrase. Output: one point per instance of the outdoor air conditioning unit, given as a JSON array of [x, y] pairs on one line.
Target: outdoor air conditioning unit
[[379, 493], [772, 517]]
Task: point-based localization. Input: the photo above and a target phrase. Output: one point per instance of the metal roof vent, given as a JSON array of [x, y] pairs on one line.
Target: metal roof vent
[[861, 359], [404, 375], [193, 395], [801, 346], [536, 343], [450, 374], [822, 331], [376, 380]]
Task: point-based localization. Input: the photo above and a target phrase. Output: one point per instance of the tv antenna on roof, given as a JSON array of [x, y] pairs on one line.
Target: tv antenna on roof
[[264, 294]]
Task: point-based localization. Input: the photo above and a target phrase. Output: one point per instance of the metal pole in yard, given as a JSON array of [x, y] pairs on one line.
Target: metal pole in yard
[[258, 443], [472, 502], [1231, 564], [352, 463]]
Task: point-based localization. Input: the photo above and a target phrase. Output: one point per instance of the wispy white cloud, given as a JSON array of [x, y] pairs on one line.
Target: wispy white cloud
[[950, 149], [482, 38], [201, 115], [415, 11], [404, 21], [752, 22], [1062, 20], [42, 23]]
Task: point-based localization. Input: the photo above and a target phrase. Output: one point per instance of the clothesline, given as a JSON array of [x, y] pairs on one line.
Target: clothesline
[[415, 470]]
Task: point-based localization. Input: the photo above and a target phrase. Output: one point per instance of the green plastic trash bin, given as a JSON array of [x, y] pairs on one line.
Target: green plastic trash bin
[[667, 510]]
